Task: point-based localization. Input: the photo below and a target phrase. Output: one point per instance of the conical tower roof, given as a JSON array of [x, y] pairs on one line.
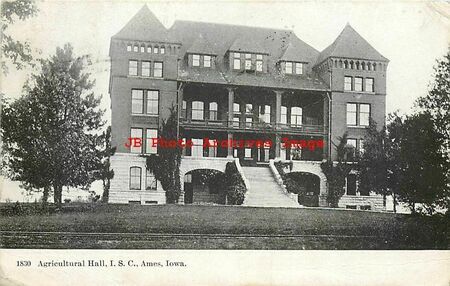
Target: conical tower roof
[[350, 44], [144, 26]]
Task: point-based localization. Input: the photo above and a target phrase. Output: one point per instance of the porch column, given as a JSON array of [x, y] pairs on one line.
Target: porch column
[[230, 106], [278, 94], [230, 146]]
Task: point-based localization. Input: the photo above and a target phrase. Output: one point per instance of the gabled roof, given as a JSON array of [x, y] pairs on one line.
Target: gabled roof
[[223, 37], [296, 52], [350, 44], [246, 44], [201, 46], [144, 26]]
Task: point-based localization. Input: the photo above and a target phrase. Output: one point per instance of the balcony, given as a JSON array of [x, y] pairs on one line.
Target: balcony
[[242, 126]]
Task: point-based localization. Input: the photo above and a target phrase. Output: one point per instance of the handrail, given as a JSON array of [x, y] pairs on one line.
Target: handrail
[[252, 125]]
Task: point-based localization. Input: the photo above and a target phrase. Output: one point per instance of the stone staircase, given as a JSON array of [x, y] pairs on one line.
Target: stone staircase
[[264, 190]]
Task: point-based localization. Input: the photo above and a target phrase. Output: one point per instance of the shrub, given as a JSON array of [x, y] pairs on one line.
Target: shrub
[[236, 188]]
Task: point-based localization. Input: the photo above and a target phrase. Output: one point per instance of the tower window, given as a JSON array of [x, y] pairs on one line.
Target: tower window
[[348, 83]]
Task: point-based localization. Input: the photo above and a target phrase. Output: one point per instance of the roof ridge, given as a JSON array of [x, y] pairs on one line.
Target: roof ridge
[[233, 25]]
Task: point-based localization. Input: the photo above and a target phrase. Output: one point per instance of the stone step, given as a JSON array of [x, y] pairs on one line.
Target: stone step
[[264, 190]]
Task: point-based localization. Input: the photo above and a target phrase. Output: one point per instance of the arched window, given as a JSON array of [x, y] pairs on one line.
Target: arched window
[[352, 65], [363, 66], [197, 110], [345, 65], [340, 64], [213, 111], [135, 178], [374, 67], [357, 65], [296, 116], [369, 66]]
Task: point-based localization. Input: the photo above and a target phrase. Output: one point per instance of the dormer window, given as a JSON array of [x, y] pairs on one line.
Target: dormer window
[[195, 60], [248, 61], [288, 68], [207, 61], [298, 68], [236, 61], [259, 63], [293, 68]]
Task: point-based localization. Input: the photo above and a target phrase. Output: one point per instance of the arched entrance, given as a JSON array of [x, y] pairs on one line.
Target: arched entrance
[[204, 186], [307, 186]]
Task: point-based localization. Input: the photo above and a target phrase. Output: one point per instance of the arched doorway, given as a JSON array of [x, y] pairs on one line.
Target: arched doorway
[[306, 185], [204, 186]]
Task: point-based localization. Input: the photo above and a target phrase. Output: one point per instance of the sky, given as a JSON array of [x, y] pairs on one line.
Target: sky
[[411, 34]]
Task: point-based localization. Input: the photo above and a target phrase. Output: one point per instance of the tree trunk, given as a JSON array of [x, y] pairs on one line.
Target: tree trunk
[[45, 195], [395, 202], [105, 196], [57, 195]]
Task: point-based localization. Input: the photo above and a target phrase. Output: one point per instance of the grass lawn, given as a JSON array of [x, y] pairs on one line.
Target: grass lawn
[[304, 228]]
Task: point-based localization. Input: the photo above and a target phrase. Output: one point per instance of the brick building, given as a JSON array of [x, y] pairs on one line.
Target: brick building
[[234, 82]]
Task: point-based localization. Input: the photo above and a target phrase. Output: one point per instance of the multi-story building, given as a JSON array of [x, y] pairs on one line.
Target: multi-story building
[[230, 82]]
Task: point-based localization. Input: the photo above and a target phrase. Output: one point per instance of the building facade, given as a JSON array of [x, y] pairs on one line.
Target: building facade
[[231, 83]]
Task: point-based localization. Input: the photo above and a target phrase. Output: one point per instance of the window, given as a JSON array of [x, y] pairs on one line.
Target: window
[[298, 68], [162, 50], [364, 114], [145, 68], [249, 108], [133, 67], [296, 116], [137, 101], [155, 50], [288, 68], [135, 178], [351, 143], [351, 185], [213, 111], [283, 114], [136, 133], [259, 63], [184, 109], [236, 61], [348, 83], [369, 85], [149, 149], [361, 146], [236, 121], [128, 48], [265, 113], [153, 102], [197, 110], [197, 148], [248, 122], [149, 49], [248, 61], [150, 181], [142, 49], [358, 84], [135, 48], [157, 69], [236, 107], [195, 60], [207, 61], [248, 153], [212, 148], [351, 113]]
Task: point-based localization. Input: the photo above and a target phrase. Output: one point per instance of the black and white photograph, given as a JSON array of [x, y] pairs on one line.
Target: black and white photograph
[[166, 138]]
